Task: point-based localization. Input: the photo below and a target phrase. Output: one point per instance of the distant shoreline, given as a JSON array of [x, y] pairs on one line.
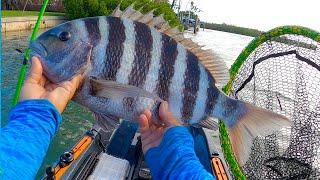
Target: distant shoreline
[[15, 19], [233, 29], [28, 22], [15, 13]]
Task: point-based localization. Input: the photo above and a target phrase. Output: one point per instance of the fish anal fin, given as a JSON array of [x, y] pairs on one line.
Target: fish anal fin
[[256, 122], [209, 123], [107, 122]]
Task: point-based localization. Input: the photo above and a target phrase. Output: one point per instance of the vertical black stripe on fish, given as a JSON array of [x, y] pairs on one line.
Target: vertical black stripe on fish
[[92, 26], [128, 104], [191, 85], [114, 49], [142, 57], [212, 94], [168, 57]]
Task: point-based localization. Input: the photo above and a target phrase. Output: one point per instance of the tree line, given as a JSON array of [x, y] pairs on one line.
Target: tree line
[[233, 29]]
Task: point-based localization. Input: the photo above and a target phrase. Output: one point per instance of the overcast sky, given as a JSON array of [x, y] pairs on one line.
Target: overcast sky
[[262, 15]]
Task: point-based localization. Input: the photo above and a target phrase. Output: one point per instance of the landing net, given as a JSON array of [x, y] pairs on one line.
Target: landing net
[[280, 71]]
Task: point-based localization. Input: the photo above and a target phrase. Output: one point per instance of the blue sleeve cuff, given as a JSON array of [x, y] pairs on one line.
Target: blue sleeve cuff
[[24, 141], [175, 157]]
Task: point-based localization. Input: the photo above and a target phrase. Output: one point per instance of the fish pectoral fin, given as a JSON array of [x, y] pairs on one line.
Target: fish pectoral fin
[[107, 122], [114, 90], [209, 123]]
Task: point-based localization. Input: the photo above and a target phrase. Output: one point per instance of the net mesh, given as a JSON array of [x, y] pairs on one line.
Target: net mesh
[[283, 75]]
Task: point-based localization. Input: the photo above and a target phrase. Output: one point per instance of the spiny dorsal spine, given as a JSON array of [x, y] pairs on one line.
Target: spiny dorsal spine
[[216, 67]]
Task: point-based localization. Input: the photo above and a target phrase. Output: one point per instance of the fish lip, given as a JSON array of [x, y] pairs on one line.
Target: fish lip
[[38, 49]]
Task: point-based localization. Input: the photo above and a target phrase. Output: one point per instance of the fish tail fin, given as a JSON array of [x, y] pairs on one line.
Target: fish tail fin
[[253, 122]]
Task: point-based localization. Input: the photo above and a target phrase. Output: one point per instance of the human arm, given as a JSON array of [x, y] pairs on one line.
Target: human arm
[[24, 141], [169, 150], [32, 124]]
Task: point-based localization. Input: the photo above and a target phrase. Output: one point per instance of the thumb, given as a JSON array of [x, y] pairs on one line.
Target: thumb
[[35, 73], [166, 115], [143, 122]]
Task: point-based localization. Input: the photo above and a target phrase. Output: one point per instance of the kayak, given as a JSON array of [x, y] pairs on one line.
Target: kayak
[[118, 155]]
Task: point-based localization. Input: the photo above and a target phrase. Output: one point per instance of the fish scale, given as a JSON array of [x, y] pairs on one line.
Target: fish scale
[[114, 49], [127, 59], [212, 93], [92, 26], [166, 71], [142, 59], [98, 53], [129, 66], [191, 85], [177, 83]]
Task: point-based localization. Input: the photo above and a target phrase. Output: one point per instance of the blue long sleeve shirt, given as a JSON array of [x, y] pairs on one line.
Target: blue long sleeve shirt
[[175, 157], [33, 124], [24, 141]]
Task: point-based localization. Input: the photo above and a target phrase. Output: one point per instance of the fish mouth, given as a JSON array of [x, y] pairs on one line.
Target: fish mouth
[[38, 49]]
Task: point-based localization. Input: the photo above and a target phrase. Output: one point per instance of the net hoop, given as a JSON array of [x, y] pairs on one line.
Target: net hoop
[[255, 43]]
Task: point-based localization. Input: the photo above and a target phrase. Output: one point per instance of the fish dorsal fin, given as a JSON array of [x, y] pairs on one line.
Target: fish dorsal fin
[[164, 27], [128, 12], [157, 22], [117, 12], [212, 62], [136, 15], [147, 17], [215, 65]]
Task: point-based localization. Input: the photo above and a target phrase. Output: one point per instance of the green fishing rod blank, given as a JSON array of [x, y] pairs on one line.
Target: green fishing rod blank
[[23, 68]]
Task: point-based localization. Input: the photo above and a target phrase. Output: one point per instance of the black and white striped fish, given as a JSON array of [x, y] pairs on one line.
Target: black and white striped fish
[[129, 65]]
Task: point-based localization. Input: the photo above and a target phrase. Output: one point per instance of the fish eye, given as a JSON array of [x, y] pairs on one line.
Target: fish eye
[[64, 36]]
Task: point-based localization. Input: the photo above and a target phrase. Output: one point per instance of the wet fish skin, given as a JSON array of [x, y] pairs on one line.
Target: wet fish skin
[[132, 102], [57, 56], [132, 53]]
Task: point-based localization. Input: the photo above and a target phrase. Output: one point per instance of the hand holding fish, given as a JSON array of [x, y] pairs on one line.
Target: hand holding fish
[[37, 86], [151, 135]]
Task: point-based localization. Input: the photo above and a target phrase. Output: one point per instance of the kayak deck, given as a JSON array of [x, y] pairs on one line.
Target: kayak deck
[[124, 144]]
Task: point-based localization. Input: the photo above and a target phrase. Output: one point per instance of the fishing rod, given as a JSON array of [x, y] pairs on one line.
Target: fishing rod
[[26, 58]]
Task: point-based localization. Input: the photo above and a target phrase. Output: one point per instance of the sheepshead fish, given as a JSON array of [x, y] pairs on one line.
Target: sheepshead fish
[[135, 61]]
